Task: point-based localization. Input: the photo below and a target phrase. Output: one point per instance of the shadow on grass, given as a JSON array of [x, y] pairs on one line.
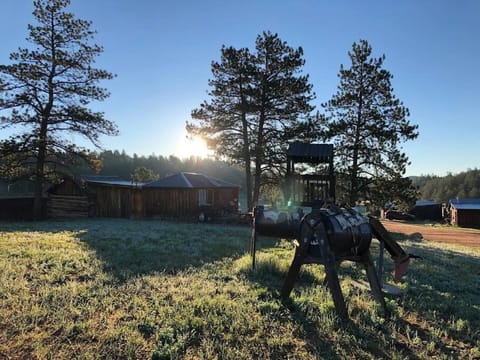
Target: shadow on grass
[[166, 247], [414, 237], [270, 278], [128, 248]]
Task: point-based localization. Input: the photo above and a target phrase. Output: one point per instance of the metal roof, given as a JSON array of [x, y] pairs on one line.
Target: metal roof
[[179, 180], [312, 153], [115, 182], [109, 181], [465, 204], [426, 203], [190, 180], [98, 178]]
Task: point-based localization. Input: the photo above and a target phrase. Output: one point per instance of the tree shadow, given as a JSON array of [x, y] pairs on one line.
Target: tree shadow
[[166, 247], [129, 248]]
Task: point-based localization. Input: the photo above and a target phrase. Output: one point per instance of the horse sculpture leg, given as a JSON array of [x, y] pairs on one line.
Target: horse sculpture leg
[[293, 273], [333, 283], [374, 282], [316, 232]]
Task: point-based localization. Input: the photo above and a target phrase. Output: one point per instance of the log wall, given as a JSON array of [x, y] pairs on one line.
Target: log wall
[[67, 206]]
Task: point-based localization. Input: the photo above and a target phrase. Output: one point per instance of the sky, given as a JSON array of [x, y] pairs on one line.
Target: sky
[[161, 52]]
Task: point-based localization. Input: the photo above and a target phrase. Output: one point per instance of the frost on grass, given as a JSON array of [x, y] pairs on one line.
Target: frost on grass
[[116, 288]]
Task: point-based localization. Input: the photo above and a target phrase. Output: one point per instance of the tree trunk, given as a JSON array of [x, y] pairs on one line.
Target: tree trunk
[[249, 190], [42, 144], [259, 157], [38, 213], [353, 196], [42, 141], [247, 160]]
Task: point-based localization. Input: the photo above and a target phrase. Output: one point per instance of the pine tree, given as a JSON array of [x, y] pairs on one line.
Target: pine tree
[[46, 91], [259, 102], [367, 124]]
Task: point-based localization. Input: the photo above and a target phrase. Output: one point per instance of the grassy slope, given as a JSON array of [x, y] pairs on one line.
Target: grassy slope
[[150, 289]]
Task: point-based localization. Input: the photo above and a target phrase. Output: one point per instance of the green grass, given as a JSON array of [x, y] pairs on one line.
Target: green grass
[[122, 289]]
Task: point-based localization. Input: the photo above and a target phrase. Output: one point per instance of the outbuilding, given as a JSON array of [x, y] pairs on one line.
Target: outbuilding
[[427, 210], [188, 194], [465, 212], [180, 195], [104, 196]]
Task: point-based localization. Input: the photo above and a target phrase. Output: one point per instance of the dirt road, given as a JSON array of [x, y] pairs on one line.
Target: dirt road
[[452, 235]]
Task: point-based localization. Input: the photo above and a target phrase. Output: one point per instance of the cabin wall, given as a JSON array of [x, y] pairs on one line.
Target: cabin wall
[[428, 212], [118, 202], [465, 217], [168, 202]]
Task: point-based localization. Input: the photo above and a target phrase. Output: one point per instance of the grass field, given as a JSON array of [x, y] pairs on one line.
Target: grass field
[[122, 289]]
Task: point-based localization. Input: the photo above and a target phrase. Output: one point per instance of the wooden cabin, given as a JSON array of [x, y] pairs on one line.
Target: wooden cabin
[[179, 195], [465, 212], [189, 194], [103, 196]]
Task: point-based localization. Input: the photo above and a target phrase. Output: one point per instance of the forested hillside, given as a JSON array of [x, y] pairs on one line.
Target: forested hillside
[[115, 163], [462, 185]]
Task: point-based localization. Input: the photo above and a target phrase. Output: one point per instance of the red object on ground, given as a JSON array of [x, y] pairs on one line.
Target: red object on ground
[[401, 266]]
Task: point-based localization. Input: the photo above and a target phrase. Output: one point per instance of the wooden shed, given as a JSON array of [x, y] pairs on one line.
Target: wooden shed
[[69, 198], [104, 196], [115, 198], [465, 212], [17, 199], [189, 194], [427, 210]]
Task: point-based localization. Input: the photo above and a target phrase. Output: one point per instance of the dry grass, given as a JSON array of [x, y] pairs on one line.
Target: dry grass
[[147, 289]]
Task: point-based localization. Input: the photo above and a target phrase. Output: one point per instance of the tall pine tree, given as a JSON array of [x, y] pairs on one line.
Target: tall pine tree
[[367, 124], [259, 102], [46, 91]]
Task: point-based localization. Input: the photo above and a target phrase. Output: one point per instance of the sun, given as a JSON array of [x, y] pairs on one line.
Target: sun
[[195, 146]]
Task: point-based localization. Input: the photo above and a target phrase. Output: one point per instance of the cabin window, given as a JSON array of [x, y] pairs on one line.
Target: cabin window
[[205, 197]]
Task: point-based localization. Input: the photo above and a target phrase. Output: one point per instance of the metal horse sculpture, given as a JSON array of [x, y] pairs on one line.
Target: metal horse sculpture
[[328, 234]]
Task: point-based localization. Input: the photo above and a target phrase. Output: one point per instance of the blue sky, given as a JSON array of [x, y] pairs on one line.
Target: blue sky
[[161, 51]]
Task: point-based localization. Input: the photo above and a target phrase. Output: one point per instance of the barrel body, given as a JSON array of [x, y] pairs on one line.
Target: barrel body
[[347, 232]]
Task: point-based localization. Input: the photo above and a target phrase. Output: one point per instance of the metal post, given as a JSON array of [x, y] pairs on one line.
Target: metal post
[[374, 282], [380, 264]]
